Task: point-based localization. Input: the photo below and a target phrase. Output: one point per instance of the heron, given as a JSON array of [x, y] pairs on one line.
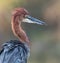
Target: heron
[[18, 51]]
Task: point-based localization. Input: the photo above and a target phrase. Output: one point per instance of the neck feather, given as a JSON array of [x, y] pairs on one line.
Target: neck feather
[[17, 30]]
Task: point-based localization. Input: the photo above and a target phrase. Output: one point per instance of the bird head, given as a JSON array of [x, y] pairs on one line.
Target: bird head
[[25, 17]]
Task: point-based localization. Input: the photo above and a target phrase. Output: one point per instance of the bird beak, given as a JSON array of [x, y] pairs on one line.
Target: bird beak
[[30, 19]]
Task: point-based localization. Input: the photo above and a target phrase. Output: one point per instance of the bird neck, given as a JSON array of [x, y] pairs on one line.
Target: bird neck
[[18, 31]]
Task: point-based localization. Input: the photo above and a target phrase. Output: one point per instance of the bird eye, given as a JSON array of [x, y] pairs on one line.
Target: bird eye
[[26, 16]]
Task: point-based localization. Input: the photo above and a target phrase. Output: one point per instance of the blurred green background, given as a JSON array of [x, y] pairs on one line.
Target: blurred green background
[[45, 40]]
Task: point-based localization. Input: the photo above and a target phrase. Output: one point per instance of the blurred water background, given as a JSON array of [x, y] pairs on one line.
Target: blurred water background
[[45, 40]]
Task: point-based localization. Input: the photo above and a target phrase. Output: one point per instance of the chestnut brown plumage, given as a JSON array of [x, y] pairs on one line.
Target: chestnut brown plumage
[[17, 16]]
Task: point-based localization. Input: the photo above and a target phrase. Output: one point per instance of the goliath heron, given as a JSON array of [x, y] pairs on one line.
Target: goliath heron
[[17, 51]]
